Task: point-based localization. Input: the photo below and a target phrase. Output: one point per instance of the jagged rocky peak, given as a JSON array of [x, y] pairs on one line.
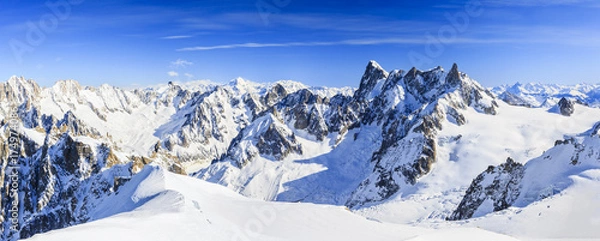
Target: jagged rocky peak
[[420, 84], [453, 78], [497, 188], [305, 110], [373, 73], [566, 107], [513, 99], [76, 156], [19, 90], [63, 180], [254, 103], [67, 86], [274, 95], [174, 87], [175, 95], [70, 123], [266, 137], [393, 79], [278, 142], [22, 83], [426, 86], [303, 96]]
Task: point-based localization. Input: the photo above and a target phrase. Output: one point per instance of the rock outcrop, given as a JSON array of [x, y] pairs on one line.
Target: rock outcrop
[[566, 107], [493, 190]]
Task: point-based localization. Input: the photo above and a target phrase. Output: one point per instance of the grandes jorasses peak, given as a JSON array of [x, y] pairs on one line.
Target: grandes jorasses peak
[[405, 109]]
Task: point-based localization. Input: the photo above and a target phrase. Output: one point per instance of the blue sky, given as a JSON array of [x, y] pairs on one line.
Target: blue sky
[[128, 43]]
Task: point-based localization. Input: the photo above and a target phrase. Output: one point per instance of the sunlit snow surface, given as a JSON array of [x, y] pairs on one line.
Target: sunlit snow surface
[[160, 206]]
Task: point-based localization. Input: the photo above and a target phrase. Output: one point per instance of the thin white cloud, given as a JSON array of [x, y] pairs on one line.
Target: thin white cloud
[[180, 63], [176, 37], [188, 75], [327, 22], [531, 3], [173, 73], [343, 42]]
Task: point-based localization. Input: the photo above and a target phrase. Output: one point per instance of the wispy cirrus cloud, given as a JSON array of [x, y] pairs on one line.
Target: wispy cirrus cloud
[[342, 42], [533, 3], [176, 37], [172, 74], [318, 21]]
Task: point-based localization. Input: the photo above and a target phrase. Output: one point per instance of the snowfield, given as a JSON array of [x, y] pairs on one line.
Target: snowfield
[[521, 137], [159, 205]]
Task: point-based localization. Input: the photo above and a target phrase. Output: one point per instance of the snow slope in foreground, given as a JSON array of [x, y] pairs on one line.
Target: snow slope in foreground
[[573, 214], [158, 205]]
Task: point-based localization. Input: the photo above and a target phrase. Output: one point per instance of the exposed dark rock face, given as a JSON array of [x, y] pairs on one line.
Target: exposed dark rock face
[[302, 108], [513, 99], [342, 114], [277, 143], [19, 90], [204, 130], [274, 95], [70, 123], [369, 79], [566, 107], [175, 96], [498, 186], [595, 130], [267, 138], [425, 86], [59, 184], [253, 103], [303, 96], [410, 126], [456, 117], [317, 125]]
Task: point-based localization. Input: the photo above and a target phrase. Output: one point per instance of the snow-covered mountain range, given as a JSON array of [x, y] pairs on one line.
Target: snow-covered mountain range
[[406, 147], [547, 95]]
